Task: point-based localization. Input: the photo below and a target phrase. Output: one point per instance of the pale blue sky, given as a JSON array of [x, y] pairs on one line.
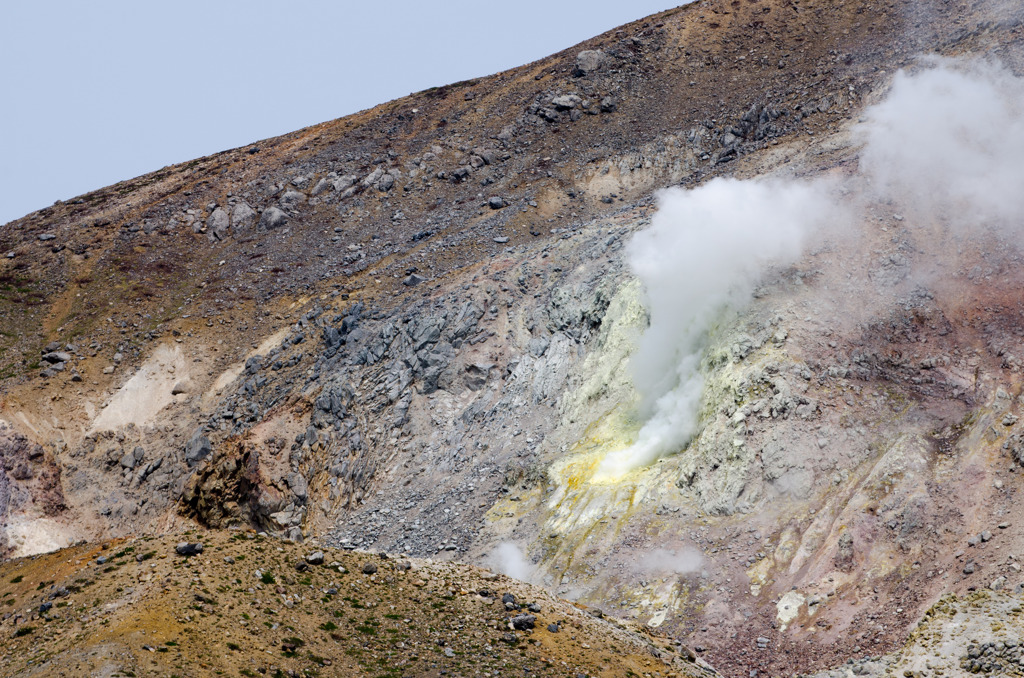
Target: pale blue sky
[[96, 92]]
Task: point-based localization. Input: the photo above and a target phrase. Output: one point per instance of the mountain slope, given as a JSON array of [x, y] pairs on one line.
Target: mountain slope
[[247, 606], [410, 329]]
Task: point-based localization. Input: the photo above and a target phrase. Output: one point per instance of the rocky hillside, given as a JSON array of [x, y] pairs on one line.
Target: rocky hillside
[[409, 331], [240, 604]]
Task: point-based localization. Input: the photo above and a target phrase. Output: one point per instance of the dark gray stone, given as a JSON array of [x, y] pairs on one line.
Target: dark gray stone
[[566, 102], [188, 548], [197, 449], [217, 224], [549, 114], [57, 357], [523, 622], [320, 187], [133, 458], [291, 199], [272, 218], [149, 470], [412, 280], [253, 364], [297, 484], [476, 375], [242, 216]]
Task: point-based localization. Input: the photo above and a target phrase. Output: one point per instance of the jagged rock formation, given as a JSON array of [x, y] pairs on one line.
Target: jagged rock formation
[[408, 330]]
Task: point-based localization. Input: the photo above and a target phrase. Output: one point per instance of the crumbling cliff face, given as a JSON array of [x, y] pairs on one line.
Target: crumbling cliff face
[[30, 494], [410, 330]]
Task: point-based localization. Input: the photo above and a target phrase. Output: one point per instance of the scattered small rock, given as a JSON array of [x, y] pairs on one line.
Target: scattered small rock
[[412, 280]]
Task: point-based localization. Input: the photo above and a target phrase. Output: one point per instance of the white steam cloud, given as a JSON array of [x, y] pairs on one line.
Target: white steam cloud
[[508, 559], [705, 251], [686, 560], [946, 144]]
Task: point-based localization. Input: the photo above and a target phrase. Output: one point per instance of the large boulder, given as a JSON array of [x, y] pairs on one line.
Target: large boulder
[[197, 449], [132, 459], [242, 216], [188, 548], [292, 199], [272, 218], [347, 181], [217, 224], [589, 61]]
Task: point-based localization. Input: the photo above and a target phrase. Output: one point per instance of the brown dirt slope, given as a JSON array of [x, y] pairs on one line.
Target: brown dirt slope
[[161, 290], [252, 606]]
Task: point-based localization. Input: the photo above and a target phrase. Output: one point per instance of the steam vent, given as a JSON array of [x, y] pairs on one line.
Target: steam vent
[[695, 349]]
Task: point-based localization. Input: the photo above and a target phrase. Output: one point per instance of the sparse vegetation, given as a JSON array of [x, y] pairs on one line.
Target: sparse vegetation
[[305, 638]]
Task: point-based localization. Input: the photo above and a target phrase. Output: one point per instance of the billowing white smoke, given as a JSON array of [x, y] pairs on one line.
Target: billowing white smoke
[[682, 561], [508, 559], [705, 251], [947, 142]]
